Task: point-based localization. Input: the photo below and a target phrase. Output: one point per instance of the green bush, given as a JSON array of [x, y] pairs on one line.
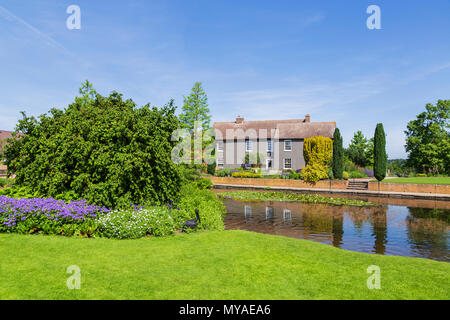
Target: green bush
[[315, 172], [133, 224], [204, 183], [104, 149], [18, 192], [357, 174], [294, 175], [244, 174], [6, 182], [345, 175], [225, 172], [211, 209]]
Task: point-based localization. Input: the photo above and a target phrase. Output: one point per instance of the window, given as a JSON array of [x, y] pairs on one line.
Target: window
[[248, 145], [269, 145], [220, 163], [269, 213], [287, 215], [287, 145], [287, 163], [220, 146], [248, 212]]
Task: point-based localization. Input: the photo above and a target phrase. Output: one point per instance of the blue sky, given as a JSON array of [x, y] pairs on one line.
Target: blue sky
[[258, 59]]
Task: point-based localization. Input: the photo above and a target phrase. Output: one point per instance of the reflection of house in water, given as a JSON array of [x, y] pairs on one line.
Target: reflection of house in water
[[287, 215], [248, 212], [269, 213], [318, 222], [392, 230]]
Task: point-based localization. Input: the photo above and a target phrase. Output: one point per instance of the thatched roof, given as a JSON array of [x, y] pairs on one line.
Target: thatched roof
[[287, 129]]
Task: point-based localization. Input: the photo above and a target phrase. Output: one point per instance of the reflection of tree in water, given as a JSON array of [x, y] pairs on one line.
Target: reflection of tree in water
[[359, 216], [319, 217], [378, 220], [428, 229], [324, 218]]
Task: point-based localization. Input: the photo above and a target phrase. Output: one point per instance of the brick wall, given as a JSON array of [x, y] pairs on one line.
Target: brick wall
[[410, 187], [280, 183]]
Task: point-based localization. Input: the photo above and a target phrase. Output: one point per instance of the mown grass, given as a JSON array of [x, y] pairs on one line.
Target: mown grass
[[292, 197], [208, 265], [420, 180]]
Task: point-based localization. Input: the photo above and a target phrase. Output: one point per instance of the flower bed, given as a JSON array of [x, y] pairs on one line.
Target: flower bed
[[48, 216]]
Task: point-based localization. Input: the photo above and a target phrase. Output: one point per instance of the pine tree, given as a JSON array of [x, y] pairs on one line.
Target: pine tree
[[379, 151], [338, 155], [195, 109]]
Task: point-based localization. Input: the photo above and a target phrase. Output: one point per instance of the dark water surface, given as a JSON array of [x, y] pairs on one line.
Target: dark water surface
[[412, 228]]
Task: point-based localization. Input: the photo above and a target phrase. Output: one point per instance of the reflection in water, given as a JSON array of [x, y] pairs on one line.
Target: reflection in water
[[391, 230]]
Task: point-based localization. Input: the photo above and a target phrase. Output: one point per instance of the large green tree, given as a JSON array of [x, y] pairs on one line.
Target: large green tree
[[379, 153], [428, 139], [195, 109], [196, 118], [103, 149], [338, 155], [359, 150]]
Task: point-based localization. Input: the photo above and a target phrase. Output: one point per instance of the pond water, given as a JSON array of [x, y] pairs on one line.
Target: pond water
[[413, 228]]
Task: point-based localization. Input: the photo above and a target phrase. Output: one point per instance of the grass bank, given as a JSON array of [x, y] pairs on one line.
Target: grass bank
[[208, 265], [420, 180], [292, 197]]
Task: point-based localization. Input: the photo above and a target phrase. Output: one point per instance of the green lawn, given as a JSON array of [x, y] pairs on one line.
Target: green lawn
[[208, 265], [420, 180]]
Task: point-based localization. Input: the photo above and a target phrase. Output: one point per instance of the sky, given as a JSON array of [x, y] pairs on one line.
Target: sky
[[263, 60]]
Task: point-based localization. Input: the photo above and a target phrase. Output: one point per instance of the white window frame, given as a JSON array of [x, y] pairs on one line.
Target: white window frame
[[248, 145], [269, 213], [247, 212], [290, 141], [269, 145], [220, 162], [220, 146], [284, 163], [287, 214]]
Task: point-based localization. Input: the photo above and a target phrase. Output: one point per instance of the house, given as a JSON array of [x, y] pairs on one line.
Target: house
[[278, 142], [3, 136]]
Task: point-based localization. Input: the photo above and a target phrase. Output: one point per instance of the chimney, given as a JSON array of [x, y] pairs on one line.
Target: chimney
[[239, 120], [307, 118]]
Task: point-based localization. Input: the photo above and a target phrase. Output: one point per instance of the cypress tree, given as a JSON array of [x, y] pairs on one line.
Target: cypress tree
[[379, 153], [338, 155]]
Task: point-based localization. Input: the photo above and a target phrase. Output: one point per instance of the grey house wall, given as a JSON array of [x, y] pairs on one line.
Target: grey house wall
[[234, 152]]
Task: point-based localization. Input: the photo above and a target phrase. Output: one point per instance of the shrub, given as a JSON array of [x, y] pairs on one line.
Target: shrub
[[204, 183], [6, 182], [338, 155], [133, 224], [314, 173], [211, 209], [318, 150], [243, 174], [104, 149], [368, 172], [294, 175], [49, 216], [380, 156], [357, 174], [225, 172], [345, 175]]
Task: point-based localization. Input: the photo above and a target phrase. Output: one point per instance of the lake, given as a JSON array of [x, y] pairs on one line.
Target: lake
[[411, 228]]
